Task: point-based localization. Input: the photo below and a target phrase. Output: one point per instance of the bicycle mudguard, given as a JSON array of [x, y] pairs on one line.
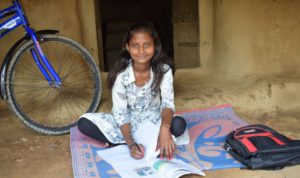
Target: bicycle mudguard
[[10, 53]]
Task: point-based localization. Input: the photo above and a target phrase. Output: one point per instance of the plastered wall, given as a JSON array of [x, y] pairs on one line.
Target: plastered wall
[[65, 16], [237, 37], [250, 37], [59, 15], [185, 20]]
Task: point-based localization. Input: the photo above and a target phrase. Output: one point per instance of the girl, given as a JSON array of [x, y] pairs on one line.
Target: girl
[[142, 90]]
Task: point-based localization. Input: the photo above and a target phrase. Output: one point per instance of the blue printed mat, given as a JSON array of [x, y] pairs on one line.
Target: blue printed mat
[[207, 128]]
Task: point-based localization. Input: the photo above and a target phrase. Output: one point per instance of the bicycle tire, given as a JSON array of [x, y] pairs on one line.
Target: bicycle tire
[[44, 108]]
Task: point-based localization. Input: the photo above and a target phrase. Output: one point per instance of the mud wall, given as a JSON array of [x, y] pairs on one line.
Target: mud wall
[[185, 20], [250, 37], [237, 37], [73, 18]]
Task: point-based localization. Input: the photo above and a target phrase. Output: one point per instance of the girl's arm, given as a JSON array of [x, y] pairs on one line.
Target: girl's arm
[[136, 150], [121, 116], [166, 115], [165, 141]]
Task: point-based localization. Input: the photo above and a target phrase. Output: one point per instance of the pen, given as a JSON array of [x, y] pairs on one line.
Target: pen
[[138, 147]]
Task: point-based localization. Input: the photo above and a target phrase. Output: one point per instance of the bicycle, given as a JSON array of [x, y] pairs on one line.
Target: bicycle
[[48, 80]]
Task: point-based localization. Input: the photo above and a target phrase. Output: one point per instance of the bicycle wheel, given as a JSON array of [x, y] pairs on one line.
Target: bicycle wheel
[[45, 108]]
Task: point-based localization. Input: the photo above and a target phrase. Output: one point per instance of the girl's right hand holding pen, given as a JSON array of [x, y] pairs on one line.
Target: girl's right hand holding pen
[[136, 150]]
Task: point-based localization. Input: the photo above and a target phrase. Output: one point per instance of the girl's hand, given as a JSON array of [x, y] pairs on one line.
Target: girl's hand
[[137, 151], [165, 143]]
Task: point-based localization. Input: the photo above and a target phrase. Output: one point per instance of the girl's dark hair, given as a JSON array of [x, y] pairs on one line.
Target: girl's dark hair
[[157, 62]]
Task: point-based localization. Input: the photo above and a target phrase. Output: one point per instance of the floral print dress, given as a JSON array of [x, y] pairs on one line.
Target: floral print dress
[[133, 104]]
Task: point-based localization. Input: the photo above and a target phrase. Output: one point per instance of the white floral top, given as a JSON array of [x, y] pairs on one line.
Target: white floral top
[[133, 104]]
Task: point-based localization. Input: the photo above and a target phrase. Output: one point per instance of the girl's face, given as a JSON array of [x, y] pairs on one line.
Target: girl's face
[[141, 48]]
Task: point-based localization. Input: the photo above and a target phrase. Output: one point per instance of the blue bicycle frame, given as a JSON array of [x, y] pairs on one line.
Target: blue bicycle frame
[[19, 18]]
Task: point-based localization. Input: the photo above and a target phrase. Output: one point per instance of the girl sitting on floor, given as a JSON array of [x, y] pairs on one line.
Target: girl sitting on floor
[[142, 90]]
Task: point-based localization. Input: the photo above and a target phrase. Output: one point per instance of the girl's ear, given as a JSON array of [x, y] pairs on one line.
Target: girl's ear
[[127, 47]]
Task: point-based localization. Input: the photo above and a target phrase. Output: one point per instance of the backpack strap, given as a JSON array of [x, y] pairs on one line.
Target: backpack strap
[[251, 148], [245, 137]]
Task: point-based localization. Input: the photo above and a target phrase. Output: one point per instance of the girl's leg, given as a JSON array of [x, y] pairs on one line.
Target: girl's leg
[[178, 126], [88, 128]]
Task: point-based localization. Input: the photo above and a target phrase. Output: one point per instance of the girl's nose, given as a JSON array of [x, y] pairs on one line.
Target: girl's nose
[[141, 50]]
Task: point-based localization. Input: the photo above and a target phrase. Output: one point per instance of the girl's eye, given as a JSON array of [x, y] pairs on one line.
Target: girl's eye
[[147, 45], [135, 46]]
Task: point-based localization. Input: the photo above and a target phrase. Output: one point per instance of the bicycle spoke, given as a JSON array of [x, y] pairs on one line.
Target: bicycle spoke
[[32, 77], [53, 115], [76, 72], [27, 94], [82, 79], [31, 70], [63, 60], [26, 84], [82, 98], [42, 103], [80, 88], [70, 70], [68, 107]]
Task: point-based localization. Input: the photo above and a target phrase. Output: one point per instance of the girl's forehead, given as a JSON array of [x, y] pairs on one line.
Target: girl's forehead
[[141, 35]]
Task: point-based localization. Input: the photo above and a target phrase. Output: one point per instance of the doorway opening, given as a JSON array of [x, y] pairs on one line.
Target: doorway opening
[[115, 17]]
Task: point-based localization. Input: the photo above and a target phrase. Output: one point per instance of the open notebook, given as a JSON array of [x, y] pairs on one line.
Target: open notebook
[[150, 166]]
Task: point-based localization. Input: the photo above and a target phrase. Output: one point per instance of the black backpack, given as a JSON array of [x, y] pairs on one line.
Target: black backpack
[[260, 147]]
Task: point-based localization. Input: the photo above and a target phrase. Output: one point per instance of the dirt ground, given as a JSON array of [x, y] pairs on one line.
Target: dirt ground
[[26, 154]]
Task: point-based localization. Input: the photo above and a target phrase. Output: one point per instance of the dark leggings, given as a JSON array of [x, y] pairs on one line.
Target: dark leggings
[[88, 128]]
